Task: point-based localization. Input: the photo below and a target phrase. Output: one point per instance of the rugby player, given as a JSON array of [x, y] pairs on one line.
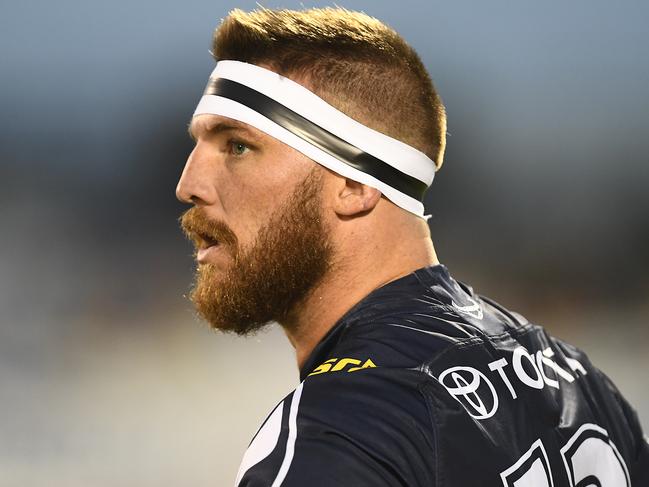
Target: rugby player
[[316, 137]]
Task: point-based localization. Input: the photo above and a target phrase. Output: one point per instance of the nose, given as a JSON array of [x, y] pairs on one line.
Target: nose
[[196, 183]]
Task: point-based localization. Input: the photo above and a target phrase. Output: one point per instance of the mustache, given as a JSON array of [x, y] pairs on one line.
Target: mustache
[[198, 228]]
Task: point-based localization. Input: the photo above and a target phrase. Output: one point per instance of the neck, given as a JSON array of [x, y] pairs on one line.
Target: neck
[[348, 282]]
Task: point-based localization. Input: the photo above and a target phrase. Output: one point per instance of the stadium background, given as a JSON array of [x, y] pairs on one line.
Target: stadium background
[[106, 377]]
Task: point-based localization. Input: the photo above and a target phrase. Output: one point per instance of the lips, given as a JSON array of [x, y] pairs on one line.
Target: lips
[[208, 254], [206, 247], [209, 236], [203, 241]]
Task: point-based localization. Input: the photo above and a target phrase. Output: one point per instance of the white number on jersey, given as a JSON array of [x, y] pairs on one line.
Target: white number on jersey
[[589, 455]]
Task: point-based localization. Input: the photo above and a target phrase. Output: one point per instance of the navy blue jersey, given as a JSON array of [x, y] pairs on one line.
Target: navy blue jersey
[[424, 383]]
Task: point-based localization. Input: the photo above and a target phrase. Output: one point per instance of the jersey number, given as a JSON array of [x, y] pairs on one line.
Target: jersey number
[[590, 458]]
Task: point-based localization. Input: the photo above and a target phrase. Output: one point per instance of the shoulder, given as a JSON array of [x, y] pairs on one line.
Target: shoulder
[[369, 426], [410, 336], [362, 387]]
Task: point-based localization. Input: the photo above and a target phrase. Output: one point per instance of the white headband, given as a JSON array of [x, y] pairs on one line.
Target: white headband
[[298, 117]]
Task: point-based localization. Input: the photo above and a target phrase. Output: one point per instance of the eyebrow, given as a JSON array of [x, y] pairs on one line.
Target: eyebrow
[[219, 128]]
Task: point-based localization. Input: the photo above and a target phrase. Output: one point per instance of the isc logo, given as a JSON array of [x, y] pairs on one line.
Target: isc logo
[[335, 365]]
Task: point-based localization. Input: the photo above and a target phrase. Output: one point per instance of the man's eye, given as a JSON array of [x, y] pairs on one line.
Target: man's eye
[[238, 148]]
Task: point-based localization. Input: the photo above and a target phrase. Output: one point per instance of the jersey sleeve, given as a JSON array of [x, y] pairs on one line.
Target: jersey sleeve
[[350, 429], [639, 455]]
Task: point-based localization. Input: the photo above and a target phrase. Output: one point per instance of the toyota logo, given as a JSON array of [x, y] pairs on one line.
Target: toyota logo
[[472, 389]]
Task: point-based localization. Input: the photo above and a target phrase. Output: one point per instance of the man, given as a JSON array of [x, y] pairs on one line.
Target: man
[[316, 137]]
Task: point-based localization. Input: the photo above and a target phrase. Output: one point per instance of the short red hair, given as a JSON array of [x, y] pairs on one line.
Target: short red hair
[[353, 61]]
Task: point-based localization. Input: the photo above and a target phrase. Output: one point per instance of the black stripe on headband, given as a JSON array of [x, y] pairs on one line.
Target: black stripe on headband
[[317, 136]]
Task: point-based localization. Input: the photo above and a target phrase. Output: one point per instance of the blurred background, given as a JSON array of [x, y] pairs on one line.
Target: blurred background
[[106, 376]]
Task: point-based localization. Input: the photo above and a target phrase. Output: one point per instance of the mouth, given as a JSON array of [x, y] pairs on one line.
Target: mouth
[[203, 241], [206, 247], [212, 239]]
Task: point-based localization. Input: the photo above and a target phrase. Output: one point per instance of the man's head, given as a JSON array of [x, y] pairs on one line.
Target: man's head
[[268, 222]]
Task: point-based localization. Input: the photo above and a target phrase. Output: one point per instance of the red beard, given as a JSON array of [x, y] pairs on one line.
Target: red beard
[[266, 280]]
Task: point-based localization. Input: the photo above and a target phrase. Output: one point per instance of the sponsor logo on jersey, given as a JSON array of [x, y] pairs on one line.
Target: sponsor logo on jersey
[[476, 392], [472, 389], [343, 364]]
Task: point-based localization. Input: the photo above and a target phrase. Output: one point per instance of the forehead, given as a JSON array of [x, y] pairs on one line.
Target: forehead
[[209, 124]]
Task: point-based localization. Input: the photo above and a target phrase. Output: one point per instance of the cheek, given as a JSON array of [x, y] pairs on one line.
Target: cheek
[[248, 206], [255, 189]]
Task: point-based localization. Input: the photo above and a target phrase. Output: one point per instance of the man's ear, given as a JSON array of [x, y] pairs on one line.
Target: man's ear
[[353, 198]]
